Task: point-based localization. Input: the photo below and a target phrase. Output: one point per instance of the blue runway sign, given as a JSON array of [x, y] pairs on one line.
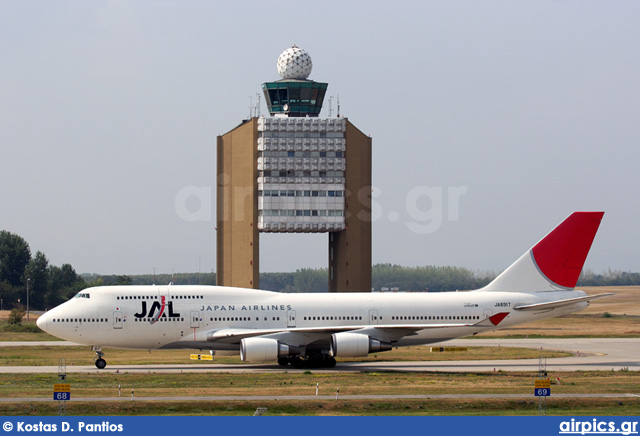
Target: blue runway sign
[[62, 396]]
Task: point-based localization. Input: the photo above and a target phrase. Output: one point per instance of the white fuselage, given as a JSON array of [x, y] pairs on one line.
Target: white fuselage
[[135, 316]]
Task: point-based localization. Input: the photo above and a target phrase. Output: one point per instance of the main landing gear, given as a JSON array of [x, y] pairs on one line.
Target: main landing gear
[[100, 362], [312, 361]]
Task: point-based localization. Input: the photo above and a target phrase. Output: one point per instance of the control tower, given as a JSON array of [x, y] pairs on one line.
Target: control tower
[[294, 172]]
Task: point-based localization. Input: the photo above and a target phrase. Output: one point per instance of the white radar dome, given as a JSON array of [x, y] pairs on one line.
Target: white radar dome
[[294, 63]]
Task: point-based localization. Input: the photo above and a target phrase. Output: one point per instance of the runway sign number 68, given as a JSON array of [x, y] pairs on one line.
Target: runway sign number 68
[[62, 396], [62, 392]]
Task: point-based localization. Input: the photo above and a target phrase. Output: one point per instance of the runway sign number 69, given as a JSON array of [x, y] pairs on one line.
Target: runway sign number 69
[[542, 388]]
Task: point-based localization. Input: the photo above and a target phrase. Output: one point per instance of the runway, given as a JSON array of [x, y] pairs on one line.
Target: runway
[[591, 354]]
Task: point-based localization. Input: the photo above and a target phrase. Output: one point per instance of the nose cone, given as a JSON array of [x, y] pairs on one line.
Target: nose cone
[[42, 321]]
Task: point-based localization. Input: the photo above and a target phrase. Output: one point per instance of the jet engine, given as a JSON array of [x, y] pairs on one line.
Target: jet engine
[[355, 345], [263, 350]]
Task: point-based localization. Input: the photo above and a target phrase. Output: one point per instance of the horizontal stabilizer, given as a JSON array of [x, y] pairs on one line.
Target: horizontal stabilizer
[[559, 303]]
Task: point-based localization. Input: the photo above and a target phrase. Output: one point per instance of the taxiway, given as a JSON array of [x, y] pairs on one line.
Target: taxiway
[[589, 354]]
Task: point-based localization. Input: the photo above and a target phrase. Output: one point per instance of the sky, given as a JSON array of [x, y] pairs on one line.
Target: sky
[[491, 122]]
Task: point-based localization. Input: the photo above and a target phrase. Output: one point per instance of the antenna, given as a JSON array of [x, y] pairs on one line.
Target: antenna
[[250, 107], [257, 108], [338, 105], [330, 106]]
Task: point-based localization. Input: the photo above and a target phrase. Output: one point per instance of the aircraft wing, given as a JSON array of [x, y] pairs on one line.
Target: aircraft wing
[[232, 336], [236, 335], [559, 303]]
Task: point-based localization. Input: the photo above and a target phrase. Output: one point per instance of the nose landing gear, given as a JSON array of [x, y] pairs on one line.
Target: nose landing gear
[[100, 362]]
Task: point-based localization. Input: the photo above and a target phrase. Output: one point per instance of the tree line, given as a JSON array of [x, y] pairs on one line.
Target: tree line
[[49, 285], [609, 278], [385, 277]]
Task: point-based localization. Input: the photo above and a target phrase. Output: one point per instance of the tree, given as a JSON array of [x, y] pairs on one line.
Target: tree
[[48, 285], [14, 258], [38, 275], [15, 316], [124, 280], [9, 295], [64, 283], [309, 280]]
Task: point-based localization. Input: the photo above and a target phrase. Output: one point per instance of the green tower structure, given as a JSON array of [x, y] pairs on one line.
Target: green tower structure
[[294, 97]]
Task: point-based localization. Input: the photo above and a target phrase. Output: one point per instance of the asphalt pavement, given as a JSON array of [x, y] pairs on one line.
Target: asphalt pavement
[[596, 354]]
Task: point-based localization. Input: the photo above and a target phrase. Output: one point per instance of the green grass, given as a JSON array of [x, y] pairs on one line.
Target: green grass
[[19, 386], [366, 383], [26, 331]]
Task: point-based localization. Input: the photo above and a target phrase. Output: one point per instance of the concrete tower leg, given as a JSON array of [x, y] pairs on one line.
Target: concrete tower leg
[[238, 247]]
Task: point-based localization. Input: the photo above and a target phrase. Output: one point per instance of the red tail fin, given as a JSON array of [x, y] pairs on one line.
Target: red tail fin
[[555, 262], [561, 254]]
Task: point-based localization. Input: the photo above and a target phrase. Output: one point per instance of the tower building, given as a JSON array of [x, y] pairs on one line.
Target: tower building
[[294, 172]]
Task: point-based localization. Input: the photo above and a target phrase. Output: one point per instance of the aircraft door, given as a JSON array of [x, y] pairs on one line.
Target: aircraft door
[[373, 317], [195, 319], [291, 318], [488, 313], [117, 319]]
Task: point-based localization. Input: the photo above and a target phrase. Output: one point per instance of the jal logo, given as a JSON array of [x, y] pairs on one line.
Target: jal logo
[[158, 309]]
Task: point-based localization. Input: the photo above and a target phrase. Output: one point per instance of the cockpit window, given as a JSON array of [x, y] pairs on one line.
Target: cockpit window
[[83, 295]]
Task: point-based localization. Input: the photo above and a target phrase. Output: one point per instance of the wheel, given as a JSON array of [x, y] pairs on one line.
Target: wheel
[[330, 362], [314, 361], [101, 363], [298, 363], [283, 361]]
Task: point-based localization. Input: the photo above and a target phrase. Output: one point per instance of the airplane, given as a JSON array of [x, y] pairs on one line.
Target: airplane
[[311, 329]]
